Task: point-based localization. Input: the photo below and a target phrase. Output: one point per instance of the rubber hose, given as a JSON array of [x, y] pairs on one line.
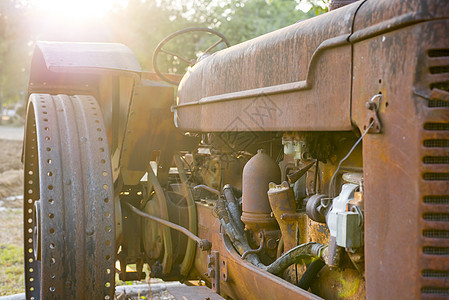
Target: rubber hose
[[295, 255], [233, 208], [310, 274]]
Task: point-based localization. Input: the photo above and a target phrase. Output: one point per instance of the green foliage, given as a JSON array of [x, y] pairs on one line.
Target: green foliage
[[249, 19], [317, 7]]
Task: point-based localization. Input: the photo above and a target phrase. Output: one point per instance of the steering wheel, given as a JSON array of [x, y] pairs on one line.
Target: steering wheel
[[190, 62]]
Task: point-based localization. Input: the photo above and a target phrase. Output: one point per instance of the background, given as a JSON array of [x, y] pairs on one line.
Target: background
[[139, 24]]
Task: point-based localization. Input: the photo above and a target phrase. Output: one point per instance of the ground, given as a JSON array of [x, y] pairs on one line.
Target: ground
[[11, 186]]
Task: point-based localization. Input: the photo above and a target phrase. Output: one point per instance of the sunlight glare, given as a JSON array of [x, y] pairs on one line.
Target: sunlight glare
[[77, 9]]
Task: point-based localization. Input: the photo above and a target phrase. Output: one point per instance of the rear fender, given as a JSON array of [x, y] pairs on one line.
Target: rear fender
[[106, 71]]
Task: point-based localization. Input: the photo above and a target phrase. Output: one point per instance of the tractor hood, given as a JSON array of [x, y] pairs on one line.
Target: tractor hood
[[274, 60], [306, 67]]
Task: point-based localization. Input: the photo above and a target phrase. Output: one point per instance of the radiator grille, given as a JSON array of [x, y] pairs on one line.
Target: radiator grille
[[436, 234], [436, 176], [436, 126], [436, 291], [436, 217], [431, 273], [436, 159], [438, 52], [439, 69], [436, 143], [435, 179], [438, 103], [436, 250], [436, 199], [444, 86]]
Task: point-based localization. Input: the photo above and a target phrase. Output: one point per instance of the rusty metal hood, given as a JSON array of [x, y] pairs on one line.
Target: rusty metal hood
[[276, 58], [290, 69], [380, 16]]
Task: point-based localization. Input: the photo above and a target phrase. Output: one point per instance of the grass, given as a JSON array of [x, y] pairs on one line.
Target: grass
[[11, 270]]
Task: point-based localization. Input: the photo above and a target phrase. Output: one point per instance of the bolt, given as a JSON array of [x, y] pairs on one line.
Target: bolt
[[271, 244]]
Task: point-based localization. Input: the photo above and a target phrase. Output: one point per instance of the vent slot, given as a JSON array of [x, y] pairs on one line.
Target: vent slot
[[435, 273], [436, 234], [440, 85], [436, 143], [436, 159], [436, 206], [436, 176], [444, 199], [436, 217], [435, 291], [439, 69], [438, 98], [437, 103], [436, 250], [436, 126], [438, 52]]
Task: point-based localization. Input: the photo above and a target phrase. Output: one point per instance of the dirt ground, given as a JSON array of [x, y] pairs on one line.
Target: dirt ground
[[11, 190], [11, 170]]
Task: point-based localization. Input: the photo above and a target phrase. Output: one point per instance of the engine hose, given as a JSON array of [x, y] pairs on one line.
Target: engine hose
[[233, 207], [237, 237], [296, 255], [310, 274], [221, 210]]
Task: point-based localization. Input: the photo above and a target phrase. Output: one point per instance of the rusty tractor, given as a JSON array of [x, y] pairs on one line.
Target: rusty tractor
[[310, 162]]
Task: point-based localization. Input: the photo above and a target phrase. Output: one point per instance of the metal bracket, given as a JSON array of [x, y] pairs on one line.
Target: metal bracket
[[213, 270], [130, 275], [373, 115], [224, 270]]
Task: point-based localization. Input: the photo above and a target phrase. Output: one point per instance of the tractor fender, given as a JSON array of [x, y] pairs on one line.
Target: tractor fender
[[70, 57]]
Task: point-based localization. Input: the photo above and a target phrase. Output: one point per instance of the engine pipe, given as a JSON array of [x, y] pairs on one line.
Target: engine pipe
[[203, 244], [207, 188]]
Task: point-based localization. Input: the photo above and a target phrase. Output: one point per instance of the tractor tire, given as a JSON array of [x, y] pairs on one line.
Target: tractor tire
[[69, 239]]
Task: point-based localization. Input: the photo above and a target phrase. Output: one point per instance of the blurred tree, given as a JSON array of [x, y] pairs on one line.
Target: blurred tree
[[244, 20], [141, 25], [145, 23], [14, 64]]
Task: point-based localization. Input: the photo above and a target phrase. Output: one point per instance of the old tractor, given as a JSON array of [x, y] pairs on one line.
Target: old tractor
[[312, 161]]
